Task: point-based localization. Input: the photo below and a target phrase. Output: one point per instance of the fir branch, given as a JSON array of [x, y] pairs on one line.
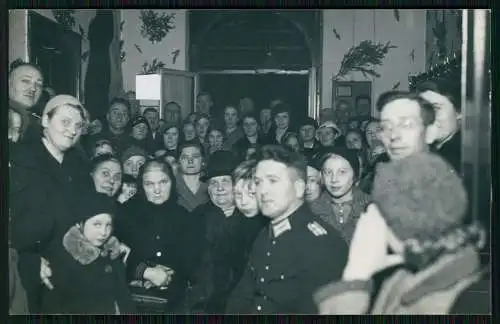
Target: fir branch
[[155, 26], [364, 58], [154, 67]]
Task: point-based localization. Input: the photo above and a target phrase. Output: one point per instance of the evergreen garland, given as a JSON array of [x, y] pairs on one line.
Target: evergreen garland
[[364, 58], [156, 26]]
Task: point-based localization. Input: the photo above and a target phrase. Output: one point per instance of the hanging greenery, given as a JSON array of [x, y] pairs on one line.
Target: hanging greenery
[[364, 58], [440, 33], [156, 26], [153, 67], [65, 17]]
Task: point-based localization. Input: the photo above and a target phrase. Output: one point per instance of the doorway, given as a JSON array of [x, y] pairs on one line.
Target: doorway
[[230, 88]]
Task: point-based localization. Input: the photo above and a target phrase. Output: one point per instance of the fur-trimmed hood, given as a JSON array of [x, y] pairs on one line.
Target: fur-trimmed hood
[[84, 252]]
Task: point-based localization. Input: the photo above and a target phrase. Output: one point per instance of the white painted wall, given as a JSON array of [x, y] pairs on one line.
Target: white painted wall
[[378, 25], [131, 34], [18, 33]]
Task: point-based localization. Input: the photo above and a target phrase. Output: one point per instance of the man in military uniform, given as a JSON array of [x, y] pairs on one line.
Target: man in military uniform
[[296, 254]]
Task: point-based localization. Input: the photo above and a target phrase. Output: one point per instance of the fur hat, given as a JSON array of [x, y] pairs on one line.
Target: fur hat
[[421, 197], [94, 203], [350, 155], [220, 163], [133, 151]]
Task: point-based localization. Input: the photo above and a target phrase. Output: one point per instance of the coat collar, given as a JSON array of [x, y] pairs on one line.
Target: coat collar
[[84, 252], [444, 273]]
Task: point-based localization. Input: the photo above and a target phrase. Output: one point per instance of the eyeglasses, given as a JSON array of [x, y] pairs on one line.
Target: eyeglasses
[[403, 124]]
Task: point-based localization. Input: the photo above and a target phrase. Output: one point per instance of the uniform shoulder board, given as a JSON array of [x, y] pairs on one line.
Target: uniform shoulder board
[[316, 229], [36, 116]]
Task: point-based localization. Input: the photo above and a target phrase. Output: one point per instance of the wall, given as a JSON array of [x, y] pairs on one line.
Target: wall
[[131, 35], [18, 34], [378, 25]]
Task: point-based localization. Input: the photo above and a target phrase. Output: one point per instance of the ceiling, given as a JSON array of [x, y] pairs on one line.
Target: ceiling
[[251, 39]]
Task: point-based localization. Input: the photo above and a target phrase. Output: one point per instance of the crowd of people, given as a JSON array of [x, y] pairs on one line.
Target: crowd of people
[[251, 212]]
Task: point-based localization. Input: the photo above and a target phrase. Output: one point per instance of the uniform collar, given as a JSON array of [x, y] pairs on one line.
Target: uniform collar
[[282, 224]]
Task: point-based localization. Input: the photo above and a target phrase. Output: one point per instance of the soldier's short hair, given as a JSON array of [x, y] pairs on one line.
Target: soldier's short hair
[[291, 159]]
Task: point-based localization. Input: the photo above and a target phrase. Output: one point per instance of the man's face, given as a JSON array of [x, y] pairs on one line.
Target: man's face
[[447, 118], [140, 131], [172, 113], [171, 138], [118, 116], [153, 118], [265, 116], [313, 185], [190, 160], [231, 117], [133, 165], [326, 136], [203, 104], [307, 132], [14, 126], [402, 128], [244, 197], [278, 188], [250, 126], [215, 140], [372, 132], [202, 127], [220, 190], [25, 86], [282, 120], [353, 141]]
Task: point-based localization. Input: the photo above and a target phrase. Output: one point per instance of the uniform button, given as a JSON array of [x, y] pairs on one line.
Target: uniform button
[[261, 279], [268, 253], [259, 308], [108, 269], [282, 277], [273, 242], [267, 268], [158, 254], [157, 237]]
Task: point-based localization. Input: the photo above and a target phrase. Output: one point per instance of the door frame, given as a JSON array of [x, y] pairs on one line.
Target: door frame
[[35, 16], [313, 94]]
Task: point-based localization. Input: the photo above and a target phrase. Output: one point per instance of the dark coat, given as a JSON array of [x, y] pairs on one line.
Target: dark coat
[[241, 147], [159, 235], [285, 268], [43, 196], [227, 244], [85, 280], [322, 207], [451, 151], [18, 304]]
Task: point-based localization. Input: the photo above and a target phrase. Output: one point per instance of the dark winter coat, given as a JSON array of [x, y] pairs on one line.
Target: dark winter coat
[[87, 279], [43, 196], [18, 304], [289, 261], [159, 235], [227, 242]]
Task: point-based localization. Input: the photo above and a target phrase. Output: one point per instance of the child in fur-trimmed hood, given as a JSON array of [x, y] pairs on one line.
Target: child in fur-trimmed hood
[[88, 272]]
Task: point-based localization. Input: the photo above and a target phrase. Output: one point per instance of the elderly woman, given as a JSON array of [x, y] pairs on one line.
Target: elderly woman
[[47, 177], [162, 241], [88, 270], [342, 203], [106, 174], [419, 214]]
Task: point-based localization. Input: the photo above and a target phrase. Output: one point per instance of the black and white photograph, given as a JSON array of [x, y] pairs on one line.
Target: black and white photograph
[[249, 162]]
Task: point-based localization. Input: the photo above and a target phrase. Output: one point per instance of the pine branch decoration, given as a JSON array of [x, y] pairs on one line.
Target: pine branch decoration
[[65, 17], [153, 67], [364, 58], [155, 26]]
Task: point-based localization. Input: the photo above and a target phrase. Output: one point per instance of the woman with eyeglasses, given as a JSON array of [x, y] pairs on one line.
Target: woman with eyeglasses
[[47, 178]]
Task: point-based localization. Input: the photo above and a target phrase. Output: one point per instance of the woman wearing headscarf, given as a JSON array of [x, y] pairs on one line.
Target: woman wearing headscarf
[[162, 241], [47, 178], [419, 217]]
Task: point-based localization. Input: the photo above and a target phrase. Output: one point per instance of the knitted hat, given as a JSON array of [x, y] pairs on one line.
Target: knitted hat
[[421, 197], [133, 151], [308, 121], [349, 155], [61, 100], [220, 163], [330, 124], [93, 203], [138, 120]]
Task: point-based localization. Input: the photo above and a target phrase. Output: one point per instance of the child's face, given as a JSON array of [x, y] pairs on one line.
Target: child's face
[[14, 126], [97, 229]]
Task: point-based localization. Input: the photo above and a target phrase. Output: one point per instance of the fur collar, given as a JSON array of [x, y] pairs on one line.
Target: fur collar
[[84, 252]]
